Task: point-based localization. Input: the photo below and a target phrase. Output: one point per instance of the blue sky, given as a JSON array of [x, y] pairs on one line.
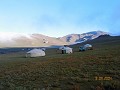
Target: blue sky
[[59, 17]]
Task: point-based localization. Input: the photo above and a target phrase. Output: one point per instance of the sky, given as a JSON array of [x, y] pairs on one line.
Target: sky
[[59, 17]]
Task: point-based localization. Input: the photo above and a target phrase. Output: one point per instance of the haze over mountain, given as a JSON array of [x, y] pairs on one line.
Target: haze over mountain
[[39, 40]]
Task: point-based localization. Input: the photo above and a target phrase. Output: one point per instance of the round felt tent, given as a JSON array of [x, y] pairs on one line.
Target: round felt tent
[[88, 47], [35, 53], [66, 50]]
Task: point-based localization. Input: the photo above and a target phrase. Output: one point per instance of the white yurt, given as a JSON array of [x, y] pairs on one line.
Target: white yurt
[[88, 46], [35, 53], [66, 50]]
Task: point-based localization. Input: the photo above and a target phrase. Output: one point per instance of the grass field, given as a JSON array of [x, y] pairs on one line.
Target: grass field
[[97, 69]]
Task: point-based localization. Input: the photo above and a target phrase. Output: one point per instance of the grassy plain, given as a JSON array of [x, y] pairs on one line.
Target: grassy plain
[[97, 69]]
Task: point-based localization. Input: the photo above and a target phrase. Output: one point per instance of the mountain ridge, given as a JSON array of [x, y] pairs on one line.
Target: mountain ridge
[[39, 40]]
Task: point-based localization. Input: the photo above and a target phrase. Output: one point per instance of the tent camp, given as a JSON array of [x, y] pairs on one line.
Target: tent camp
[[35, 53], [66, 50]]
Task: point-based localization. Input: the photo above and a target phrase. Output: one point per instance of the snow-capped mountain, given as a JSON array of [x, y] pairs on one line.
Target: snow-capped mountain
[[77, 38], [32, 40]]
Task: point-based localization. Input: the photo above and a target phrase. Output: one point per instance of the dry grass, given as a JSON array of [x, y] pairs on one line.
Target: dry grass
[[57, 71]]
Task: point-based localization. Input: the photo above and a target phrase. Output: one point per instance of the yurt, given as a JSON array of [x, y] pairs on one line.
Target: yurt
[[67, 50], [35, 53], [88, 47]]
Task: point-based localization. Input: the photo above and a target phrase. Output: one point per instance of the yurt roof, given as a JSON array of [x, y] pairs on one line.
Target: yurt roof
[[35, 51], [88, 45]]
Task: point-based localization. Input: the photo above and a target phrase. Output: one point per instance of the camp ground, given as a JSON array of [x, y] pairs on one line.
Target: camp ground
[[97, 68]]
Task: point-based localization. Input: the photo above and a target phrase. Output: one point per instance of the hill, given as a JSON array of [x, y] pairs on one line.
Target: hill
[[39, 40], [72, 38], [102, 40]]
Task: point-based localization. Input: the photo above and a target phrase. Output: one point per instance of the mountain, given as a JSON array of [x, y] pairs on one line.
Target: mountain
[[78, 38], [39, 40], [31, 40], [101, 41]]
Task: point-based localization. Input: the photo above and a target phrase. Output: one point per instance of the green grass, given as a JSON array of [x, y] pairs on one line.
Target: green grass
[[57, 71]]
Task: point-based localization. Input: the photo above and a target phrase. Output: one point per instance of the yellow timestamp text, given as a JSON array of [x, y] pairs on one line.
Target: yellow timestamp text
[[103, 78]]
